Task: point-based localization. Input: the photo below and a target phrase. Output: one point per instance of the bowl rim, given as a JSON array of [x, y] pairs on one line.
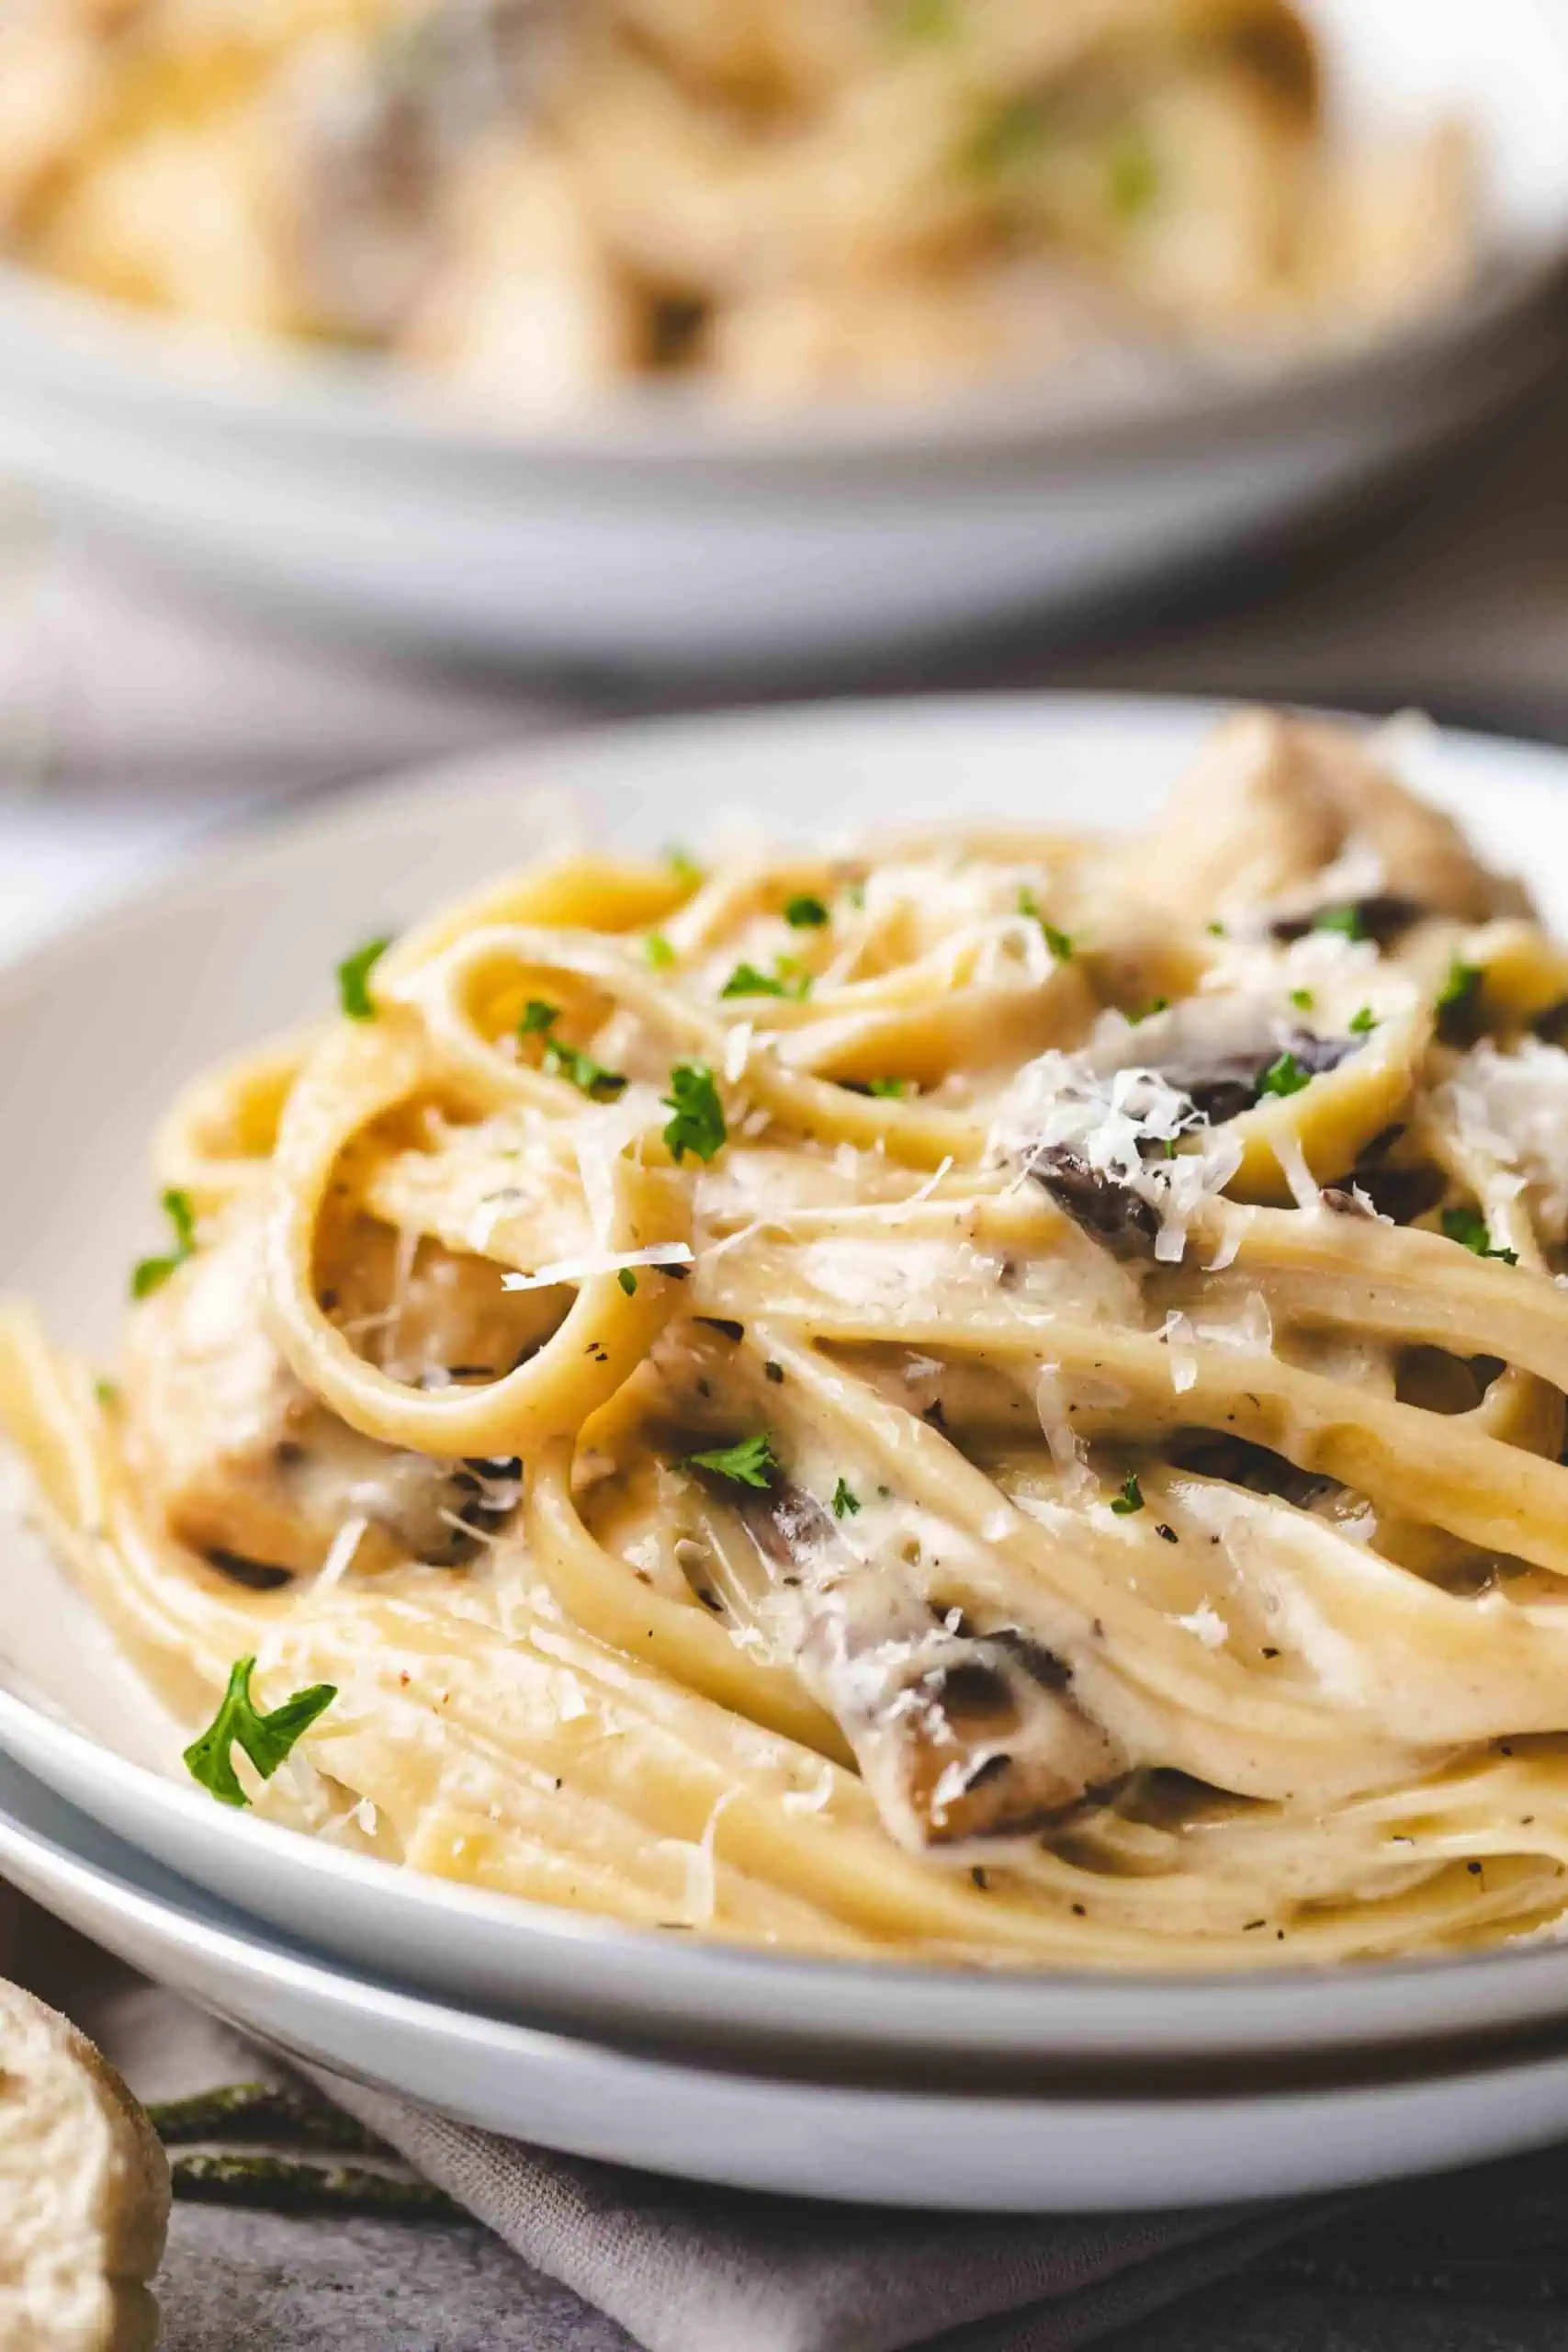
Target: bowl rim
[[165, 375]]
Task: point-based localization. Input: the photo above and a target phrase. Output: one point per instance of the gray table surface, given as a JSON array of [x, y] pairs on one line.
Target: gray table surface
[[1474, 2263]]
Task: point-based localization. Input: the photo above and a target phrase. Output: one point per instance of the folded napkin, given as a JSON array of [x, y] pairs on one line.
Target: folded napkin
[[677, 2266]]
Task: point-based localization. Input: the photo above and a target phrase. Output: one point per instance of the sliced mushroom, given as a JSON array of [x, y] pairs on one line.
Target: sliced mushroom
[[382, 137], [959, 1735]]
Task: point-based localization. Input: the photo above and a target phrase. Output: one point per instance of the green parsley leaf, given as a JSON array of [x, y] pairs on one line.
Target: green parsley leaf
[[1463, 981], [1008, 139], [1285, 1076], [107, 1394], [786, 980], [266, 1739], [804, 913], [698, 1125], [1461, 984], [579, 1068], [749, 1463], [923, 20], [1132, 177], [1346, 920], [1468, 1228], [892, 1090], [684, 864], [353, 979], [589, 1077], [1302, 997], [845, 1501], [746, 981], [1131, 1497], [1155, 1005], [151, 1274], [1215, 929], [1362, 1024], [1059, 943], [627, 1280], [659, 952]]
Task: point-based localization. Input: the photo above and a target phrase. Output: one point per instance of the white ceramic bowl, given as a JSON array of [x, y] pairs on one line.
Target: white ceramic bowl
[[1027, 2148], [661, 530], [98, 1030]]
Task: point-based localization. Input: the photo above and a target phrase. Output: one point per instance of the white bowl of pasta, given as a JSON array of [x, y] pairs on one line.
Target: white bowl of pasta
[[850, 463], [1022, 1520]]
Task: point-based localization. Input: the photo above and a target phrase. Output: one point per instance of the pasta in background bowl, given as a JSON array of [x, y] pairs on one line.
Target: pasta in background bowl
[[533, 200], [1039, 404], [990, 1398]]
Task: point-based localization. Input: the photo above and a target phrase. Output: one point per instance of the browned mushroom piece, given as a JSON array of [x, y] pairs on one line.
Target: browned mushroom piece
[[379, 146], [959, 1735]]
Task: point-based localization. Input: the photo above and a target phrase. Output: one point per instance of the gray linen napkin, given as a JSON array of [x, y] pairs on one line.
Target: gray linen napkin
[[679, 2266]]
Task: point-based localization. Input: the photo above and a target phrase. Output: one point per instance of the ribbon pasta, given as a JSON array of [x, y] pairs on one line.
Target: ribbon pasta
[[994, 1397]]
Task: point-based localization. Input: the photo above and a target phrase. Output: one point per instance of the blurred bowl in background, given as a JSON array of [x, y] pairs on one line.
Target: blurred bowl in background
[[665, 527]]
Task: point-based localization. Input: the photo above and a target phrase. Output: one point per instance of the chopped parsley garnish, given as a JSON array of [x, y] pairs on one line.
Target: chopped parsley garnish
[[151, 1274], [855, 893], [1346, 920], [1362, 1024], [1215, 929], [627, 1280], [846, 1502], [749, 1463], [803, 913], [683, 865], [1147, 1012], [579, 1068], [590, 1078], [353, 979], [922, 20], [1463, 981], [1302, 998], [1059, 943], [659, 952], [1285, 1076], [698, 1123], [1461, 984], [1131, 179], [266, 1739], [107, 1394], [1471, 1231], [892, 1090], [785, 979], [1131, 1497], [1008, 139]]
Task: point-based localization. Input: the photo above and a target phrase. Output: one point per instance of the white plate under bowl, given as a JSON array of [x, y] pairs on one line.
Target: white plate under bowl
[[660, 526], [882, 2146], [98, 1030]]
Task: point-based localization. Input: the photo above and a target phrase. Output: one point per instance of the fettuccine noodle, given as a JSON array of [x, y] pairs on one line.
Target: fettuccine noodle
[[991, 1396]]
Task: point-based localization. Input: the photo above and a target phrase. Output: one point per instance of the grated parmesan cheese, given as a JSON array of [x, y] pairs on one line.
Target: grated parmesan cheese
[[1512, 1109], [1079, 1481], [1108, 1120], [340, 1556], [600, 1261], [1206, 1626]]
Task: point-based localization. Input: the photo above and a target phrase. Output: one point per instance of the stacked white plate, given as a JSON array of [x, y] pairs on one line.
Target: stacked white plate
[[829, 2078]]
